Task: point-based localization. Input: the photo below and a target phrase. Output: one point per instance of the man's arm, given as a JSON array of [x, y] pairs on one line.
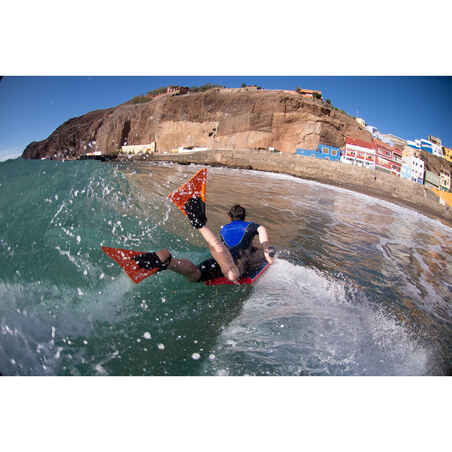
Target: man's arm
[[221, 254], [196, 213], [263, 239]]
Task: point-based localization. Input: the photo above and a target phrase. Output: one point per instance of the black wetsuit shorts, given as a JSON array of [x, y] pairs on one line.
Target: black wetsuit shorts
[[210, 269]]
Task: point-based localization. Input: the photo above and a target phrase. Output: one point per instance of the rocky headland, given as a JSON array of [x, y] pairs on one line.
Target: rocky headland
[[238, 126], [220, 118]]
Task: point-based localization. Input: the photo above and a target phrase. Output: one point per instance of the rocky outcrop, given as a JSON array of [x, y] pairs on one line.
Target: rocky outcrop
[[220, 118]]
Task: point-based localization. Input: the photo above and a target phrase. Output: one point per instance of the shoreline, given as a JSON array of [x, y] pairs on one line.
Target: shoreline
[[375, 184]]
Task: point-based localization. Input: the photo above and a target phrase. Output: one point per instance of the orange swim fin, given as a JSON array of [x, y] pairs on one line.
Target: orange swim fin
[[125, 258], [195, 187]]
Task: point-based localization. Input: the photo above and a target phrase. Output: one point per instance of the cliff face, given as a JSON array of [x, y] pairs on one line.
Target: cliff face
[[241, 118]]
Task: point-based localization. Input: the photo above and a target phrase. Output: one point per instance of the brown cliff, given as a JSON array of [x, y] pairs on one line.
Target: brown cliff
[[237, 118]]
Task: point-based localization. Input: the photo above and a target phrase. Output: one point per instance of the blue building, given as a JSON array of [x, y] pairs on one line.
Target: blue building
[[405, 171], [426, 146], [324, 152]]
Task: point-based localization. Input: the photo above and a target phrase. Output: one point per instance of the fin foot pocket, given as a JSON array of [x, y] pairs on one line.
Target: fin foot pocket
[[151, 260], [196, 212]]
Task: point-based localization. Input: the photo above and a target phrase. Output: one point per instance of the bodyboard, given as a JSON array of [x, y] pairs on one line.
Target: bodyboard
[[249, 277], [125, 259], [195, 187]]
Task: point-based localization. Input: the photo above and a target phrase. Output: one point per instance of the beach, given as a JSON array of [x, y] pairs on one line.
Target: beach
[[369, 182]]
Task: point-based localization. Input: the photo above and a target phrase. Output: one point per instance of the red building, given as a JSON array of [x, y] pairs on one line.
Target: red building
[[359, 153], [388, 158]]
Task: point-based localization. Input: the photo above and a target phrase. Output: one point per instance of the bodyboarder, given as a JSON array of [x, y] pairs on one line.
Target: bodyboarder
[[231, 257]]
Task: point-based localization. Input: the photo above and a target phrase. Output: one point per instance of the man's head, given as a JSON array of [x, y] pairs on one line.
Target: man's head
[[237, 212]]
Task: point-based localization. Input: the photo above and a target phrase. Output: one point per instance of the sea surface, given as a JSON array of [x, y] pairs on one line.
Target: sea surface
[[360, 286]]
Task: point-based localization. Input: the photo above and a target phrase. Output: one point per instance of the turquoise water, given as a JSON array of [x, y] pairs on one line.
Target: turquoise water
[[360, 287]]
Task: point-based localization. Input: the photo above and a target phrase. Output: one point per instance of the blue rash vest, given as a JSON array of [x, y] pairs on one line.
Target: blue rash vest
[[238, 234]]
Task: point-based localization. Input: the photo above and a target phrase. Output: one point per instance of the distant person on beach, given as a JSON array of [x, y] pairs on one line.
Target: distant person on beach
[[231, 257]]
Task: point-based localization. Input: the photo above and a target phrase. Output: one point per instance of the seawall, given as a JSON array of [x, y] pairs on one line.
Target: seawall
[[369, 182]]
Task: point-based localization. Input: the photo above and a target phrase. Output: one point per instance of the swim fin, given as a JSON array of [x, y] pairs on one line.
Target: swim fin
[[137, 264], [194, 188]]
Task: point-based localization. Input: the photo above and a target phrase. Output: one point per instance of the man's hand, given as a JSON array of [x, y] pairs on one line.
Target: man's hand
[[196, 212], [269, 253]]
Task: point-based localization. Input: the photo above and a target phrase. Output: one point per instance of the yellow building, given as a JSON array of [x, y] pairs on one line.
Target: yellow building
[[447, 153]]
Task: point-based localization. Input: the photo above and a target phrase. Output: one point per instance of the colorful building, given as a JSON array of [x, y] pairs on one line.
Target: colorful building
[[426, 145], [358, 152], [444, 181], [413, 169], [435, 140], [431, 179], [437, 150], [447, 153], [388, 158], [415, 144], [323, 151]]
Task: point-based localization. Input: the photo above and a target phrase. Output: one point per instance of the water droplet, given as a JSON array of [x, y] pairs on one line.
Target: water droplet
[[161, 347], [147, 335], [196, 356]]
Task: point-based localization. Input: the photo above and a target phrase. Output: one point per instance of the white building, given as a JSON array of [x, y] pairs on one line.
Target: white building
[[437, 150], [138, 149], [190, 149], [358, 153], [413, 169], [361, 122]]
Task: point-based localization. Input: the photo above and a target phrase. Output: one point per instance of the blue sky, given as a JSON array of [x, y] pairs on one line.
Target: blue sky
[[31, 107]]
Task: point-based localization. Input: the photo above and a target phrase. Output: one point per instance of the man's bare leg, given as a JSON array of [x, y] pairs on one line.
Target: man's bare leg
[[182, 266]]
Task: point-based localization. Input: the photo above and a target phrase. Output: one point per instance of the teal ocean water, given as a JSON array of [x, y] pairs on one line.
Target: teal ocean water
[[360, 286]]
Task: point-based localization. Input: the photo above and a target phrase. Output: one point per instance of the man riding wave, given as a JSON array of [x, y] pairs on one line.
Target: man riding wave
[[232, 256]]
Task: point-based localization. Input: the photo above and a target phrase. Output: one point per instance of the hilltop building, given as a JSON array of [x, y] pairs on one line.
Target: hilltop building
[[447, 153], [435, 140], [177, 90], [309, 93], [361, 122]]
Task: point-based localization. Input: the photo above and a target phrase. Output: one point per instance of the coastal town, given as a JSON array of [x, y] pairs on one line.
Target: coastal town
[[424, 161], [387, 152]]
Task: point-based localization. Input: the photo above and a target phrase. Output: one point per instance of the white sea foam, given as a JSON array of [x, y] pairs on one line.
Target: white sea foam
[[299, 321]]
